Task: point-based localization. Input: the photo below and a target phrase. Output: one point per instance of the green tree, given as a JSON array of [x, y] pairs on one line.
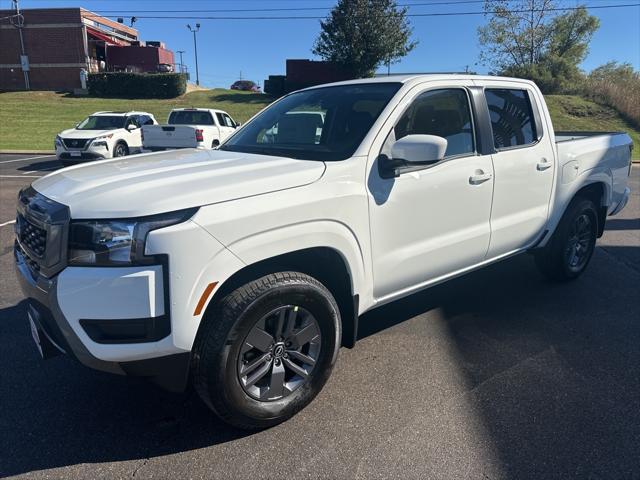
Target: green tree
[[361, 35], [531, 40]]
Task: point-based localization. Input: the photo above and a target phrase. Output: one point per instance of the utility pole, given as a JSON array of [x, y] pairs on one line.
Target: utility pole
[[181, 64], [195, 48], [24, 60]]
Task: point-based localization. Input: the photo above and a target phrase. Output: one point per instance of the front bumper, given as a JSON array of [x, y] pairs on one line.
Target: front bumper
[[86, 154], [59, 336]]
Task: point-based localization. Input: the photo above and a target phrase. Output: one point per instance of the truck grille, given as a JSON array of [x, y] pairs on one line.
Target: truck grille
[[41, 232], [31, 236], [75, 142], [34, 267]]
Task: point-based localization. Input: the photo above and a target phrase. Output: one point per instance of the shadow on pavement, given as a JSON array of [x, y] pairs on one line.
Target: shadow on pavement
[[551, 372], [46, 166], [552, 369], [623, 224]]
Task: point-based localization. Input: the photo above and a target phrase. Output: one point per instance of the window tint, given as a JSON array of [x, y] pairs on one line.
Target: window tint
[[220, 119], [132, 120], [326, 123], [101, 122], [190, 117], [145, 120], [511, 117], [444, 113]]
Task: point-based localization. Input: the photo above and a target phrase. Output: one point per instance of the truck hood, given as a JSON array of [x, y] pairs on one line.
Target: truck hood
[[166, 181], [82, 134]]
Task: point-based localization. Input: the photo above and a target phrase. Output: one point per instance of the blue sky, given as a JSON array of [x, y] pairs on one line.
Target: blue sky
[[258, 48]]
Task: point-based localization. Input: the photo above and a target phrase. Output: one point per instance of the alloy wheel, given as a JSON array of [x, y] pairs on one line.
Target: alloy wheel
[[579, 244], [279, 353]]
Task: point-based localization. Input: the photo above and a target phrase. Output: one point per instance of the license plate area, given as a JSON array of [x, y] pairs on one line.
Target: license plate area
[[75, 154]]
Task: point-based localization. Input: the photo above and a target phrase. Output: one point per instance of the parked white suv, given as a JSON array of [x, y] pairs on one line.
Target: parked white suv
[[102, 135], [245, 268]]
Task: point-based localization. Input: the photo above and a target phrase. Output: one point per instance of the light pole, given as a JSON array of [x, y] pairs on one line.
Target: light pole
[[181, 64], [195, 47]]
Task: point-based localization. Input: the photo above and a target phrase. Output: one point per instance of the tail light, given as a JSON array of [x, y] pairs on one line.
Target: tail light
[[199, 137]]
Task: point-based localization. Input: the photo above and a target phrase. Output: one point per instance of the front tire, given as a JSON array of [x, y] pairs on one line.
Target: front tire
[[120, 150], [570, 249], [266, 349]]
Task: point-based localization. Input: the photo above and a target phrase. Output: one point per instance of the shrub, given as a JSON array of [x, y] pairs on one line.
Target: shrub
[[137, 85], [618, 86]]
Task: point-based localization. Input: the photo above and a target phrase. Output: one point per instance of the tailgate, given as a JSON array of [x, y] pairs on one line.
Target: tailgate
[[169, 136]]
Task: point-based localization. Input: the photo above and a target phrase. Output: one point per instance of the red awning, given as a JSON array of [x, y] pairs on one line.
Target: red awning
[[104, 37]]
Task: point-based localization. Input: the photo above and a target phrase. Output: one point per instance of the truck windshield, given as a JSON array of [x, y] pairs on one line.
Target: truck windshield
[[102, 122], [190, 117], [319, 124]]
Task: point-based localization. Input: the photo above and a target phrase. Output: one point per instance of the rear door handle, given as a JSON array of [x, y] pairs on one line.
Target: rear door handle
[[543, 164], [479, 177]]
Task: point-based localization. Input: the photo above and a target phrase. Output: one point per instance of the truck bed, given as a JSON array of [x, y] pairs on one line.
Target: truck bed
[[595, 153], [565, 136]]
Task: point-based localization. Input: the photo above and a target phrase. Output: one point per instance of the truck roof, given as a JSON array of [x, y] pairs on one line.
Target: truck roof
[[132, 112], [419, 78], [197, 109]]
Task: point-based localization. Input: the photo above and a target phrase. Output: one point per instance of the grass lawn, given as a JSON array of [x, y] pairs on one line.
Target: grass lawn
[[570, 112], [31, 120]]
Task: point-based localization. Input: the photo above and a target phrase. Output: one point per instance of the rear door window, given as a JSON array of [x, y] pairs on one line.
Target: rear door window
[[512, 119]]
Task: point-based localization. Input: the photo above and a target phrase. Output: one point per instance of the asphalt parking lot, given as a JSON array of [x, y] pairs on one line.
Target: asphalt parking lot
[[495, 375]]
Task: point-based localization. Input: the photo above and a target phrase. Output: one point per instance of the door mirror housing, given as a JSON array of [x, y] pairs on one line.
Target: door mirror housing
[[131, 127], [419, 149]]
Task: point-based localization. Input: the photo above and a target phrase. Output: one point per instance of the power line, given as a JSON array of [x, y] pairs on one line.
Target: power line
[[286, 9], [432, 14], [300, 9]]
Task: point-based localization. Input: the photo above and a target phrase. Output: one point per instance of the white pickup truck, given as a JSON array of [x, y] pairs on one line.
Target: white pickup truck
[[189, 128], [245, 268]]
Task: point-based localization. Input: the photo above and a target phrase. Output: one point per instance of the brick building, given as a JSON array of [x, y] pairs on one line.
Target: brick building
[[302, 73], [60, 42]]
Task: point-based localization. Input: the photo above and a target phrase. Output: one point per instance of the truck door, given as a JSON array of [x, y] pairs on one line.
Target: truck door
[[226, 126], [134, 137], [434, 221], [523, 164]]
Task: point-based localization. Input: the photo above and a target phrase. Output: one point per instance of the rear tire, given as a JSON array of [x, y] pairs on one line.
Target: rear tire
[[215, 144], [283, 328], [570, 249]]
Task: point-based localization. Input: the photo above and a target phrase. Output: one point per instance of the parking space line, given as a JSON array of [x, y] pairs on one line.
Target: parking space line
[[7, 223], [26, 159], [21, 176], [31, 171]]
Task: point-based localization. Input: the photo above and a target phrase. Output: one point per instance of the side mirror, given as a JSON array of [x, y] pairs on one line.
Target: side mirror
[[238, 125], [131, 127], [419, 149]]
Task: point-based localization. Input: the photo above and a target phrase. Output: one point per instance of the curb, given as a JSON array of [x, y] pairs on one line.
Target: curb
[[27, 152]]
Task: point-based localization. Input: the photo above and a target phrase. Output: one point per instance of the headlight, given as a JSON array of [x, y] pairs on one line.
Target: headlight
[[101, 141], [58, 141], [117, 242]]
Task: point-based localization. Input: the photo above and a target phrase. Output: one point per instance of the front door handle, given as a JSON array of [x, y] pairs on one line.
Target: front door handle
[[543, 165], [479, 177]]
